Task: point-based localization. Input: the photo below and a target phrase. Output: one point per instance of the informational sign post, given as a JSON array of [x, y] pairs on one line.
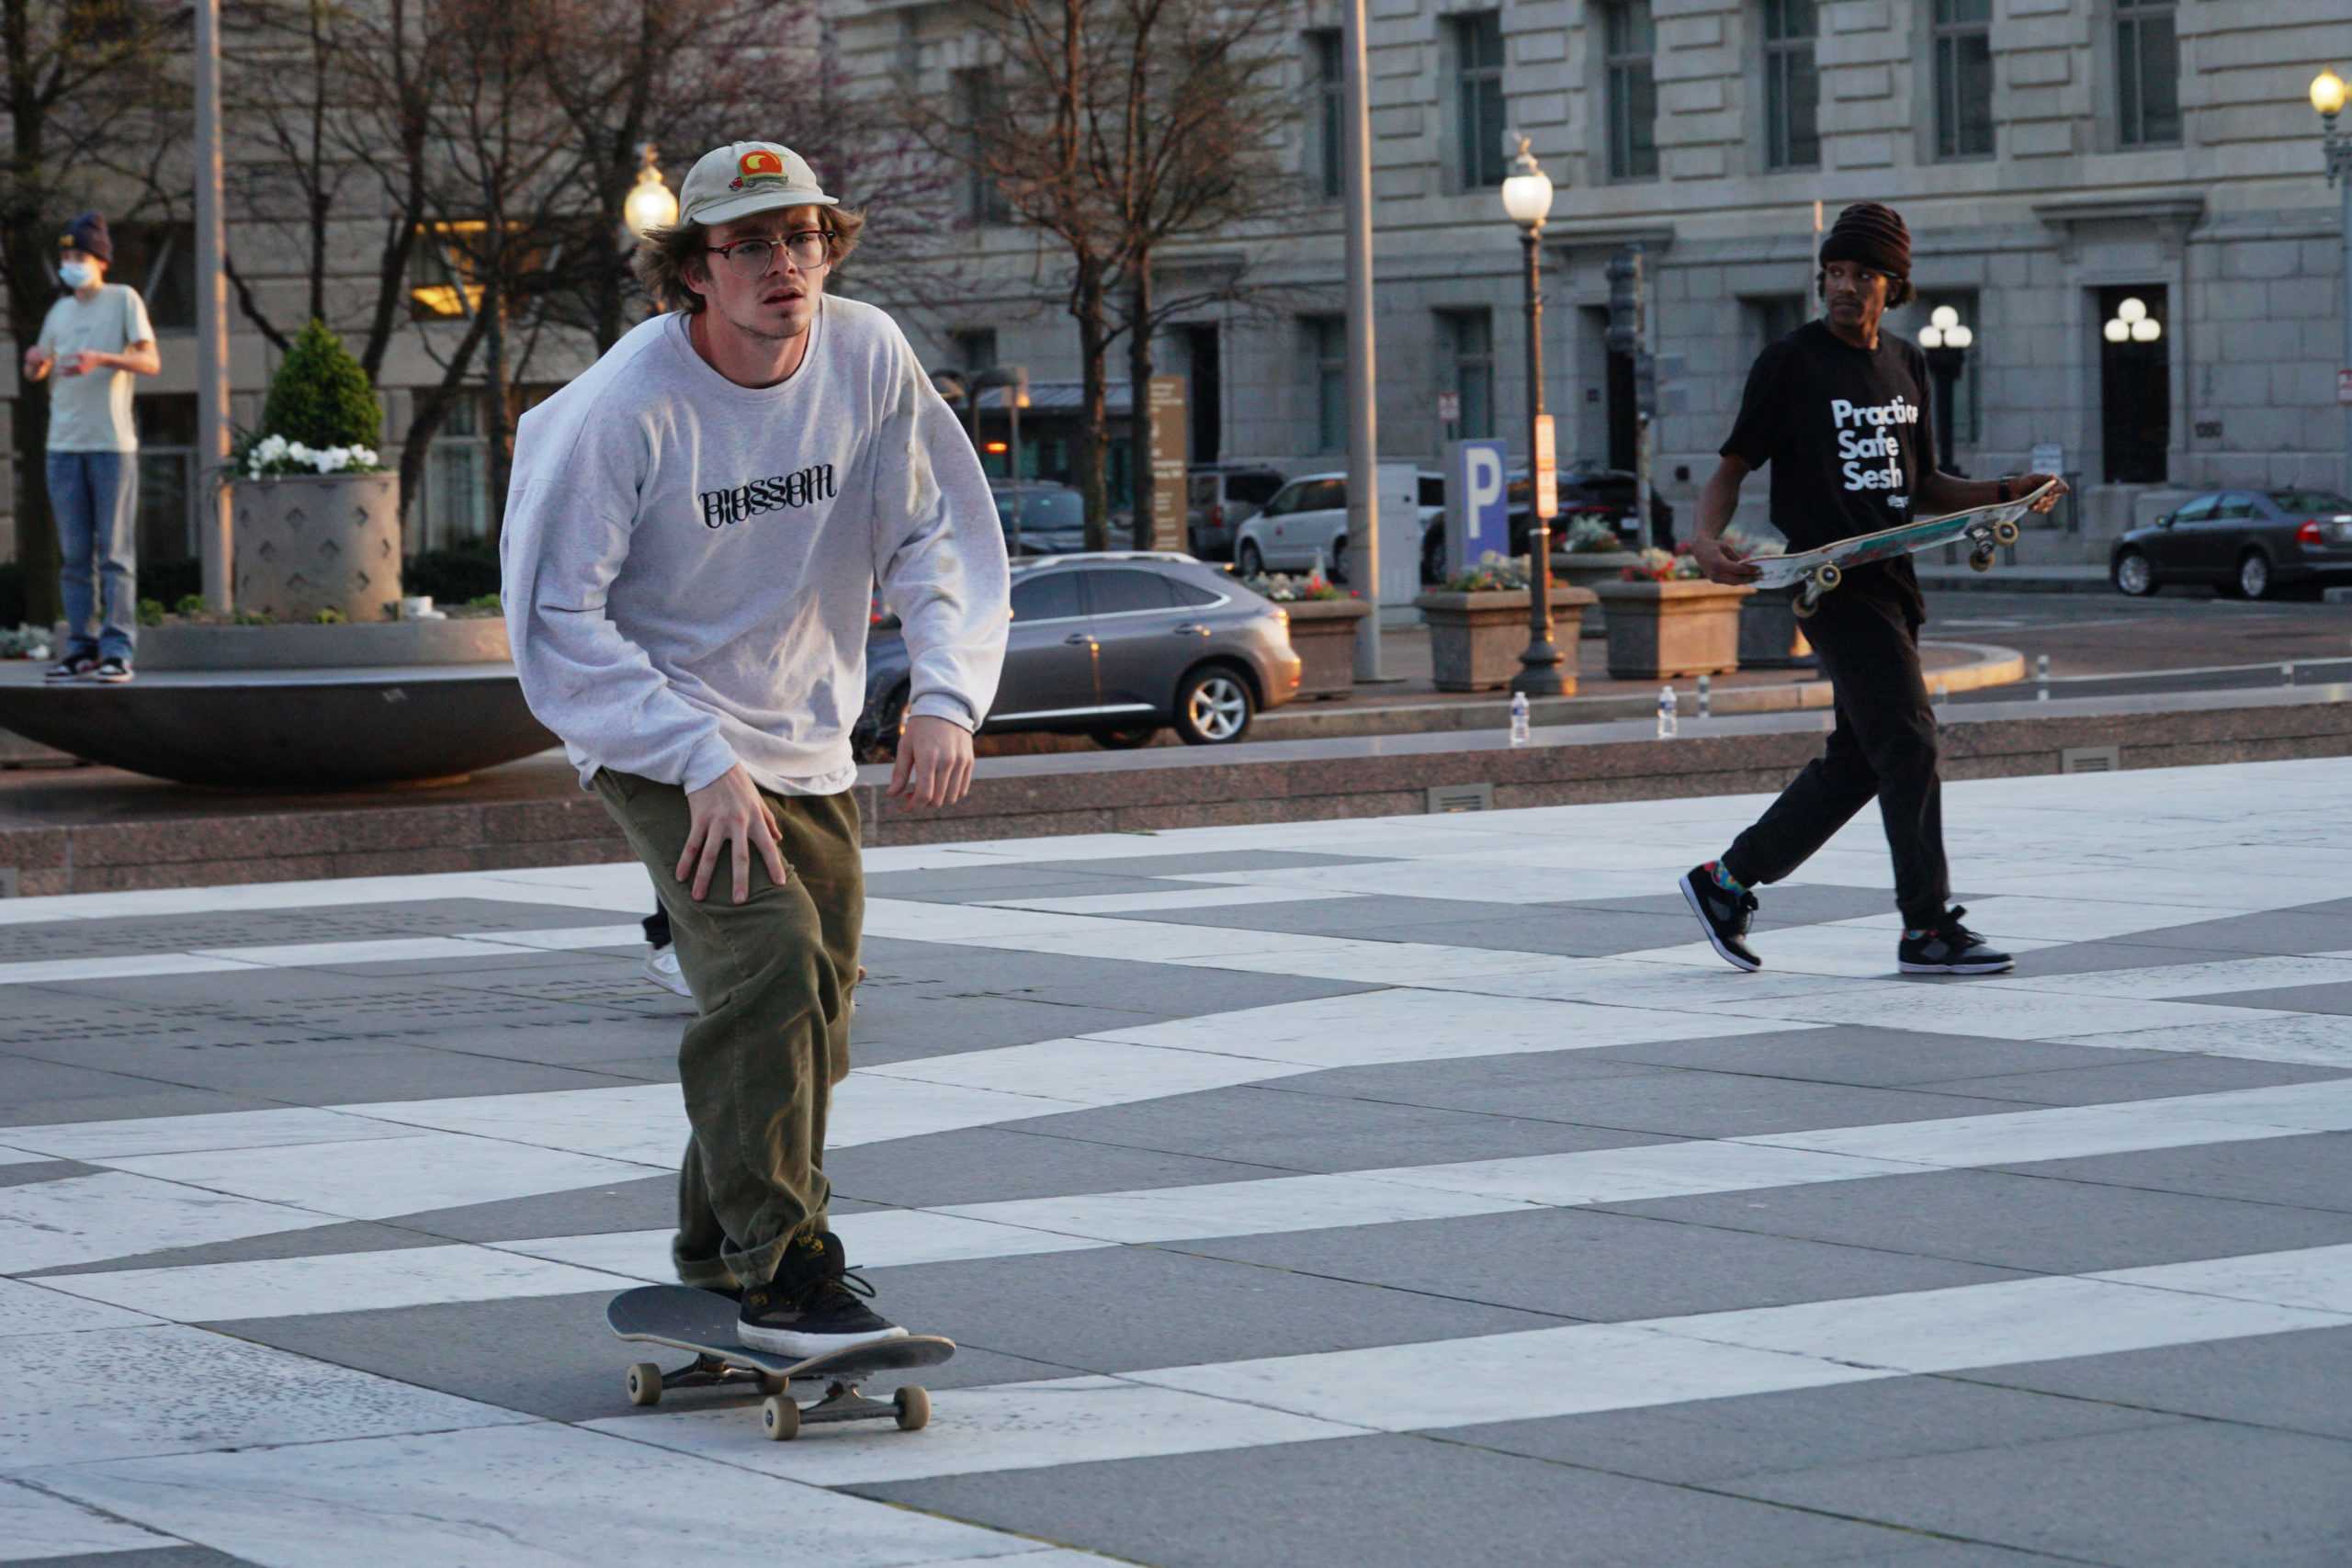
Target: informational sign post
[[1171, 434], [1547, 469], [1478, 504]]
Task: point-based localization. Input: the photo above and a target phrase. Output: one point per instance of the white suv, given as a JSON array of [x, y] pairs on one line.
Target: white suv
[[1308, 518]]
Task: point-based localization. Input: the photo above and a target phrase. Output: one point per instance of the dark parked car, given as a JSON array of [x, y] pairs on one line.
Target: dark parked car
[[1117, 646], [1052, 517], [1219, 498], [2248, 542]]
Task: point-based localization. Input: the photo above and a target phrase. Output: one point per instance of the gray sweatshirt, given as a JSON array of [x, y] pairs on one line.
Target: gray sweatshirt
[[688, 563]]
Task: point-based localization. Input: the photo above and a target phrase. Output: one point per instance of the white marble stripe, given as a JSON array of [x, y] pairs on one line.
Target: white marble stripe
[[882, 1239], [35, 1307], [377, 950], [376, 1178], [1165, 898], [1578, 1369], [35, 1526], [123, 966], [205, 1130], [22, 1156], [296, 1286], [2212, 978], [565, 939], [87, 1219]]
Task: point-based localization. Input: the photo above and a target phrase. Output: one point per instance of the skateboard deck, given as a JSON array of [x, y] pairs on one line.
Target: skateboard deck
[[1983, 528], [704, 1322]]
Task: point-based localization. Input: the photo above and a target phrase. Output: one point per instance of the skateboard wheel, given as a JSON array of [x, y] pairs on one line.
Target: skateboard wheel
[[1830, 576], [645, 1383], [2004, 532], [779, 1418], [914, 1408], [1981, 560], [1803, 607]]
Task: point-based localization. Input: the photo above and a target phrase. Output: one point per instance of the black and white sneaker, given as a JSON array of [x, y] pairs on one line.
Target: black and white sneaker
[[811, 1306], [112, 670], [73, 667], [1950, 947], [1723, 915]]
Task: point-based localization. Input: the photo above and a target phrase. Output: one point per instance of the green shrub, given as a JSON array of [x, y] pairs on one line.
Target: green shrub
[[485, 602], [328, 617], [250, 618], [320, 397], [151, 611], [455, 576], [190, 605]]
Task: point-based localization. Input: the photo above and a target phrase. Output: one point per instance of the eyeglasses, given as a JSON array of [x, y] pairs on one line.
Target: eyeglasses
[[751, 258]]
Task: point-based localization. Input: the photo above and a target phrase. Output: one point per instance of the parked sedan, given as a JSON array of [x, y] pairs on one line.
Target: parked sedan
[[1050, 518], [2247, 542], [1116, 645]]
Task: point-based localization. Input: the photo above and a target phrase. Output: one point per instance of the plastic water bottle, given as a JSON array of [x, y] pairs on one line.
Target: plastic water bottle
[[1518, 719], [1666, 722]]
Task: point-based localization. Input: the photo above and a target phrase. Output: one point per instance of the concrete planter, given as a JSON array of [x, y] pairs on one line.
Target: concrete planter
[[1323, 634], [1770, 635], [1475, 638], [1660, 630], [314, 542], [1589, 569]]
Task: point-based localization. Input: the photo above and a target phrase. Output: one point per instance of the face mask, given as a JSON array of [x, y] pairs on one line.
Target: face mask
[[77, 275]]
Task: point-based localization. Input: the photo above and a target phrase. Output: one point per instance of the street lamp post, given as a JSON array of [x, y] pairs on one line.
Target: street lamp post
[[216, 542], [650, 203], [1527, 199], [2327, 97], [1946, 340]]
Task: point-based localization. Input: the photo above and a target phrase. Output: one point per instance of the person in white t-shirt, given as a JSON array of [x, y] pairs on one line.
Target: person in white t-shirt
[[693, 539], [95, 340]]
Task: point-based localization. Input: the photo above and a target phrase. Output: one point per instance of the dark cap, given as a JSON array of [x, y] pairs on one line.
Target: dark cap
[[1872, 235], [89, 234]]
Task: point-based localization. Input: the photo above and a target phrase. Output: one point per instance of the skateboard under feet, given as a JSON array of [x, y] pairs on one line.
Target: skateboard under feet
[[704, 1321]]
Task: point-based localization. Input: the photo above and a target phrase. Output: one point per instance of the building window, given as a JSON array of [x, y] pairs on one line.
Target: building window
[[444, 288], [1964, 78], [165, 423], [1792, 90], [1327, 84], [1629, 40], [975, 349], [1329, 335], [1469, 338], [457, 478], [1772, 317], [1478, 85], [976, 106], [159, 259], [2135, 390], [2147, 75]]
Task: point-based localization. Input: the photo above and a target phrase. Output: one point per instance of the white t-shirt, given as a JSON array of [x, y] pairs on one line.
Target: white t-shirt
[[92, 412], [689, 564]]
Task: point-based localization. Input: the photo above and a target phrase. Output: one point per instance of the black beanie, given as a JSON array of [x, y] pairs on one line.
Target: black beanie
[[1872, 235], [89, 234]]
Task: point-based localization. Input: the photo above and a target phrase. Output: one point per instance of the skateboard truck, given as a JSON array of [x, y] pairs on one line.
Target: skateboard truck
[[1817, 582], [781, 1415]]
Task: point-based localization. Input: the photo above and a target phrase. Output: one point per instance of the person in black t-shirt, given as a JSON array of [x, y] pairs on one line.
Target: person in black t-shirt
[[1840, 411]]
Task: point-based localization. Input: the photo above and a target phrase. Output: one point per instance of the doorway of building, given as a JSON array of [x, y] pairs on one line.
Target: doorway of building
[[1206, 395], [2135, 383]]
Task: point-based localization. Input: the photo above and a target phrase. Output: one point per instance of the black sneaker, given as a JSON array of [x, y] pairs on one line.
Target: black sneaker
[[1724, 915], [811, 1306], [1950, 947], [73, 667], [112, 670]]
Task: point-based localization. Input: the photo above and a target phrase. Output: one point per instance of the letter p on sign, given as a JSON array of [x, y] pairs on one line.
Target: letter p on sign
[[1486, 478]]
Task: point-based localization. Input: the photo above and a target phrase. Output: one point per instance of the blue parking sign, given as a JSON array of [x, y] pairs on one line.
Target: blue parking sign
[[1478, 509]]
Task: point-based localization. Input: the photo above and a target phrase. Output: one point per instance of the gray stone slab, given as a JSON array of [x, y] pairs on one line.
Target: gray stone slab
[[2308, 1172], [1876, 1058], [1385, 1502], [150, 1557], [119, 935], [1205, 861], [613, 991], [643, 1205], [934, 972], [316, 1241], [897, 1026], [2293, 1381], [982, 885], [2307, 928], [614, 961], [558, 1039], [149, 1099], [1374, 915], [26, 1174], [1712, 1441], [1569, 933], [1605, 1266], [550, 1356], [2187, 1495], [1591, 1089], [2337, 999], [1776, 907], [2101, 957], [1262, 1125], [2011, 1222], [988, 1165], [1127, 1308], [2141, 1078], [328, 1073]]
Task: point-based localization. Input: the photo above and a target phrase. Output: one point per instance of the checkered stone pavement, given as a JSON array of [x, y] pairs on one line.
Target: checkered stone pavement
[[1409, 1192]]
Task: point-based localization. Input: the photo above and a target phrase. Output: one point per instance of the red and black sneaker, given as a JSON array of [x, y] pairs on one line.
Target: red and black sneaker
[[1950, 948]]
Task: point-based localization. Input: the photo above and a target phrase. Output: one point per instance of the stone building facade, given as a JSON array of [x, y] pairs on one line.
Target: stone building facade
[[2054, 159]]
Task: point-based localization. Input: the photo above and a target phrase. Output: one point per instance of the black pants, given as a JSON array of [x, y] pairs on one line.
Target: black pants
[[1884, 745], [657, 927]]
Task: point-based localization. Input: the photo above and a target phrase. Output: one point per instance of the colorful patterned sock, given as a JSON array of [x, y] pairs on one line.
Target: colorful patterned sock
[[1724, 879]]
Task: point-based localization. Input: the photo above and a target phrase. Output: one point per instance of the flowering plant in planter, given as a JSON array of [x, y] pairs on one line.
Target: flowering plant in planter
[[1661, 565], [1493, 574], [1283, 589], [273, 456], [1590, 534]]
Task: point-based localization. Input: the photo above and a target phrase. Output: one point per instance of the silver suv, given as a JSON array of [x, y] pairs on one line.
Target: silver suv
[[1116, 645]]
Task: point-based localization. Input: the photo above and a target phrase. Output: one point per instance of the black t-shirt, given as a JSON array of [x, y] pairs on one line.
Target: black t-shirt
[[1848, 434]]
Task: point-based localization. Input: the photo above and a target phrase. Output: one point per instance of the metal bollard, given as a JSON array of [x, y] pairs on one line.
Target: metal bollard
[[2042, 676], [1706, 697]]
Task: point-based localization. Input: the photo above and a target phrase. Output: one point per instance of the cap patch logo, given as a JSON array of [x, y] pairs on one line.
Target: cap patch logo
[[759, 167]]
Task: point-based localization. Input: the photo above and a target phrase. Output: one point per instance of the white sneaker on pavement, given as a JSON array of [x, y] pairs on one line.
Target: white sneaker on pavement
[[661, 968]]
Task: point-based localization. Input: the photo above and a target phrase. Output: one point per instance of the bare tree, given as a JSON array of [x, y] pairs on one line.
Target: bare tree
[[83, 86], [1117, 129]]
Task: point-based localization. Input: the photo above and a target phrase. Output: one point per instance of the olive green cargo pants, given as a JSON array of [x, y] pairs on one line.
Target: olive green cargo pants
[[771, 978]]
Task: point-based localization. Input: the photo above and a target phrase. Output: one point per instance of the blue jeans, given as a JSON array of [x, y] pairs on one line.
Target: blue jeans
[[95, 498]]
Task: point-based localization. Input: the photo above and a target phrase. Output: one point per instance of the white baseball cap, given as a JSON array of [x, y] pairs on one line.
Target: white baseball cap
[[744, 177]]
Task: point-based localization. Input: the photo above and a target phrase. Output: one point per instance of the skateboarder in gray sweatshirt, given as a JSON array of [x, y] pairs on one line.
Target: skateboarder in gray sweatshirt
[[694, 535]]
